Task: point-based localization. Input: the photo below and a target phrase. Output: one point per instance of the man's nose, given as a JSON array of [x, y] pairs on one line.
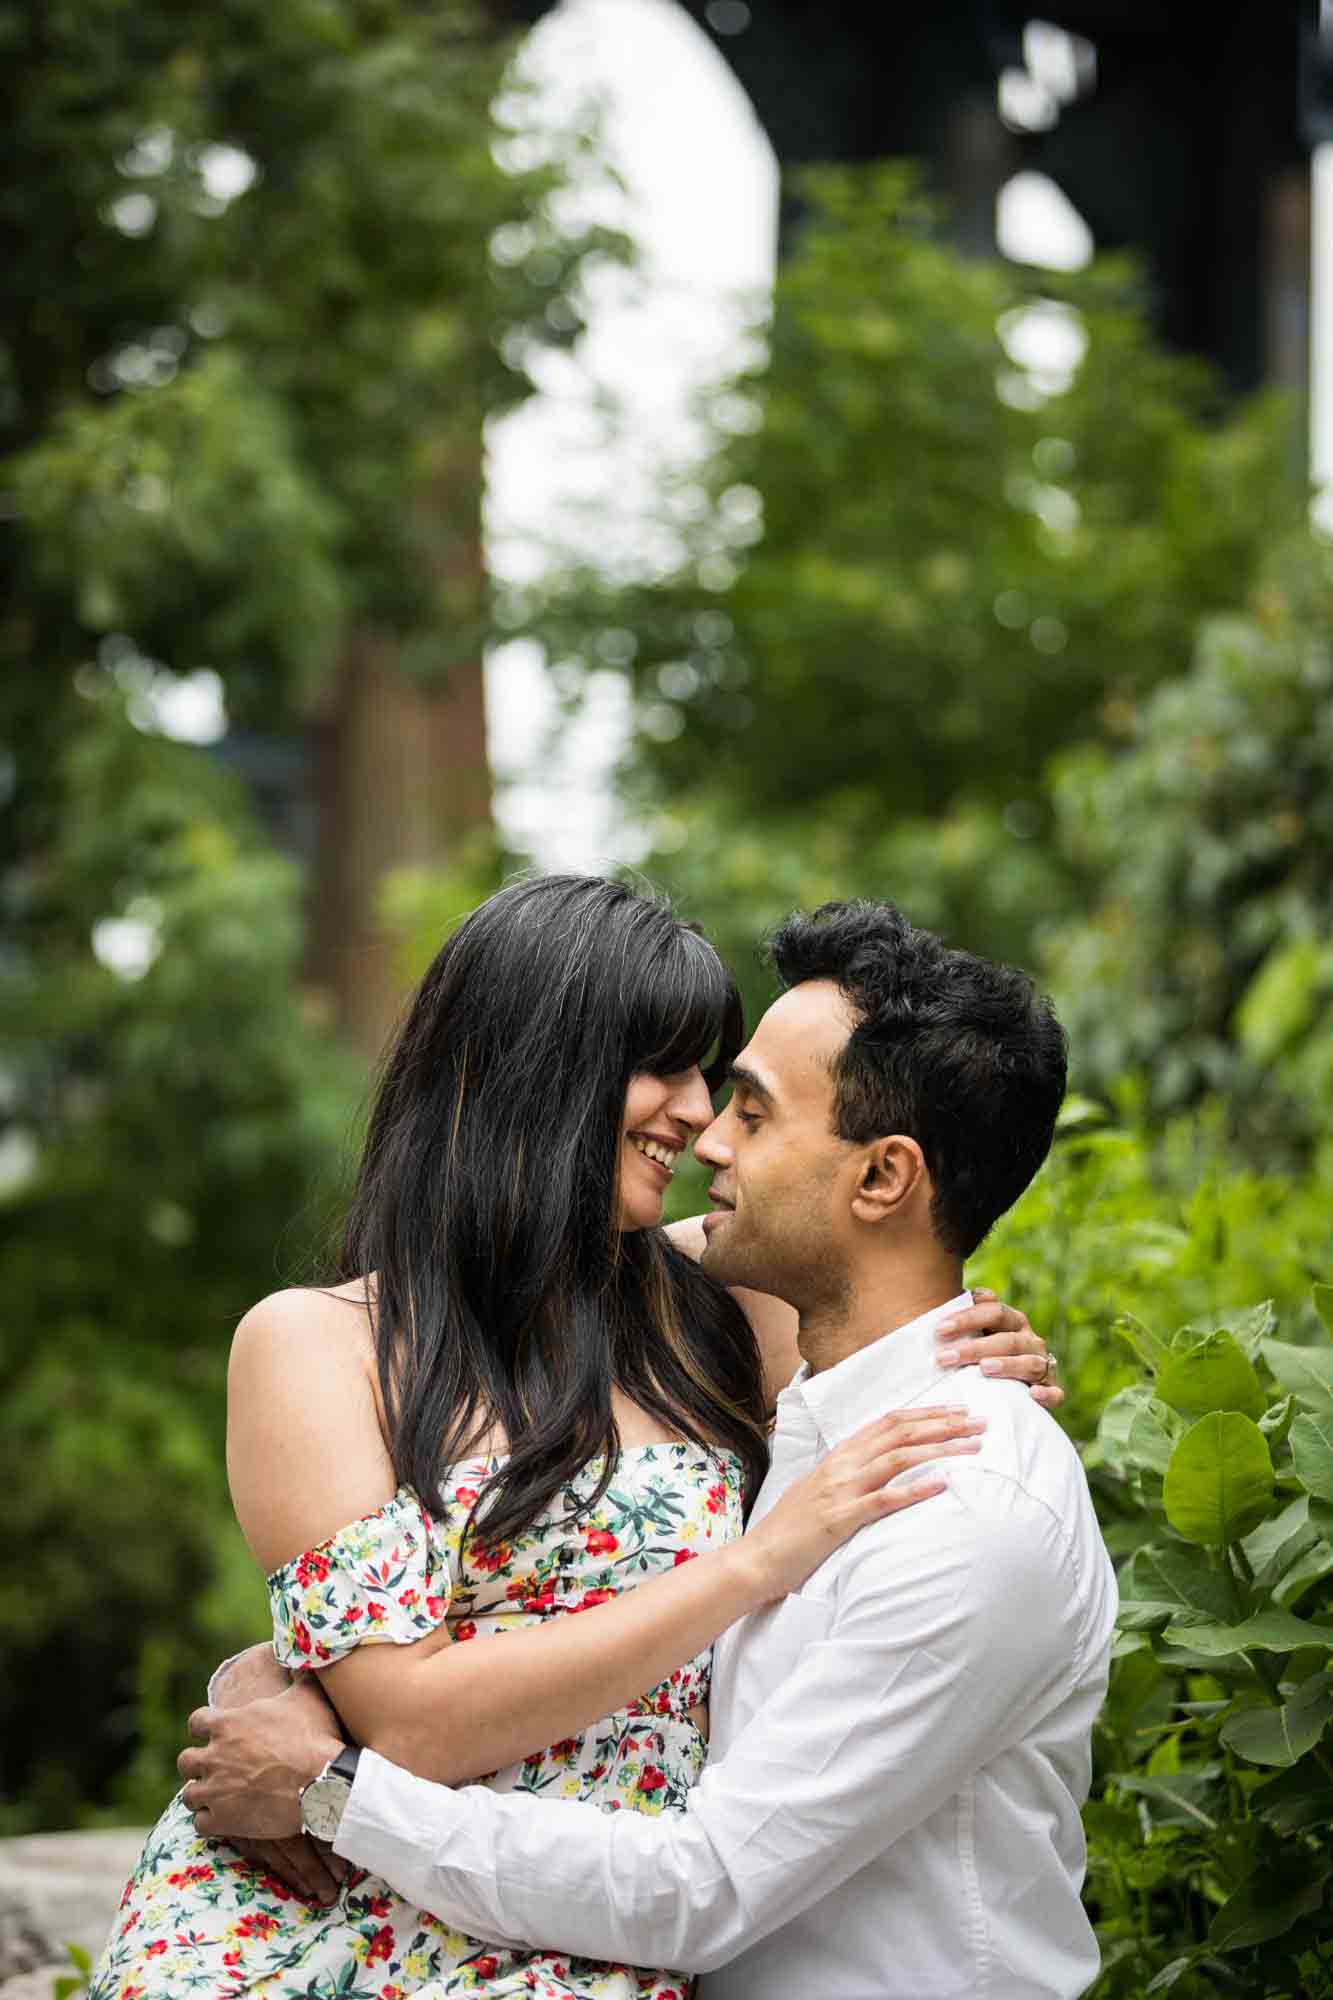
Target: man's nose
[[711, 1146]]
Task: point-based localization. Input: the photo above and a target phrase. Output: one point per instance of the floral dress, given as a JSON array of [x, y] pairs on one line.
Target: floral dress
[[197, 1919]]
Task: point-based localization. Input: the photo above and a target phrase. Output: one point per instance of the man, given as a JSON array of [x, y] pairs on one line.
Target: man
[[900, 1750]]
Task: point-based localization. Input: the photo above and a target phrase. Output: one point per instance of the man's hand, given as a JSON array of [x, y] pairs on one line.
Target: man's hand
[[314, 1871], [247, 1776]]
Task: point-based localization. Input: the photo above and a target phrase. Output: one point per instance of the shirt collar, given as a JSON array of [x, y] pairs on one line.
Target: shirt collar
[[877, 1378]]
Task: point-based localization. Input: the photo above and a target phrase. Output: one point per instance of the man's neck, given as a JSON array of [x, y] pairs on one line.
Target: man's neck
[[876, 1306]]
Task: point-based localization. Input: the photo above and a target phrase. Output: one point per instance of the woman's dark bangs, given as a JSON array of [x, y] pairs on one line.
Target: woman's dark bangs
[[686, 1011]]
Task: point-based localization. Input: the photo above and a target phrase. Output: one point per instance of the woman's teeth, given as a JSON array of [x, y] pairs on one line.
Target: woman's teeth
[[662, 1154]]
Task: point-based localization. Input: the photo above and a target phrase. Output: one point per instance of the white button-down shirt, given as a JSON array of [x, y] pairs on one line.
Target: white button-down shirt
[[890, 1809]]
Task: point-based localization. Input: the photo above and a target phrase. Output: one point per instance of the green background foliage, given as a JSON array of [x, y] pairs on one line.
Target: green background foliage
[[1045, 657]]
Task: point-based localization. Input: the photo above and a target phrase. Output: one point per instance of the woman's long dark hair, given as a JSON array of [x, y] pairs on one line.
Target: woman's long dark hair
[[486, 1201]]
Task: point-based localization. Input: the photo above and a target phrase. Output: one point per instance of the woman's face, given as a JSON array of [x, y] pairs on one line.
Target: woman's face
[[662, 1115]]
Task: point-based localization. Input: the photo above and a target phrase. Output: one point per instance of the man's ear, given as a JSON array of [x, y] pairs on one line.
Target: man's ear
[[892, 1172]]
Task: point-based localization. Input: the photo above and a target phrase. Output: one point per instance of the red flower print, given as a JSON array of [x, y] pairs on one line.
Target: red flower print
[[466, 1630], [157, 1947], [232, 1957], [651, 1779], [490, 1560], [407, 1597], [601, 1542], [521, 1586], [183, 1879], [257, 1923], [301, 1634], [352, 1613], [591, 1597], [130, 1921], [683, 1556], [391, 1992], [663, 1703], [312, 1569], [378, 1906], [466, 1496], [436, 1607], [543, 1601], [717, 1499], [486, 1966], [375, 1613], [566, 1747], [130, 1993], [321, 1651], [381, 1945]]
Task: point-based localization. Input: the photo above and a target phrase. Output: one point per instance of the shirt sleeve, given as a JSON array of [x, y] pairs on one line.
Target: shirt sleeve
[[946, 1642]]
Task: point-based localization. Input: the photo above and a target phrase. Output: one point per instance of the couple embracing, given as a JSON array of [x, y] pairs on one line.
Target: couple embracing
[[520, 1398]]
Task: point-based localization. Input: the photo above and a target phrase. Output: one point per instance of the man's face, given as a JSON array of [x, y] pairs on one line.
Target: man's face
[[782, 1178]]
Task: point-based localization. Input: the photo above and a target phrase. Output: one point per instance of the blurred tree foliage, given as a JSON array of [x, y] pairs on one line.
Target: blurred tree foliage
[[1206, 961], [248, 329]]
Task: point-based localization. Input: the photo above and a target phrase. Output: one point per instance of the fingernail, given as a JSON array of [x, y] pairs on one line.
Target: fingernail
[[948, 1357], [945, 1328], [991, 1367]]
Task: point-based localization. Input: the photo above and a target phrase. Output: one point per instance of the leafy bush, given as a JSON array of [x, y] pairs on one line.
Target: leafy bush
[[1210, 1859]]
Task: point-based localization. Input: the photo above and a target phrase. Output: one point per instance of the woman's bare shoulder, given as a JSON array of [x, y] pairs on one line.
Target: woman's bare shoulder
[[329, 1326]]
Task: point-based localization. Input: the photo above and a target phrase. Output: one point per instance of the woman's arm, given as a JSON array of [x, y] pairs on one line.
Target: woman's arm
[[988, 1331], [306, 1455]]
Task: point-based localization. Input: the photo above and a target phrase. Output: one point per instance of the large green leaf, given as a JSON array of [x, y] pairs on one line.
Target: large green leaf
[[1280, 1735], [1159, 1583], [1266, 1906], [1151, 1350], [1306, 1372], [1312, 1453], [1219, 1484], [1266, 1632], [1184, 1798], [1296, 1800], [1211, 1373], [1277, 1542]]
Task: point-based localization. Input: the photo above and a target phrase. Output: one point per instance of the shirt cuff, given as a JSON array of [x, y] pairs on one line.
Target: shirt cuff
[[402, 1828]]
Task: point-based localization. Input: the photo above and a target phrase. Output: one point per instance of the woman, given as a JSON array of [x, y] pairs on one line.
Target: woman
[[527, 1399]]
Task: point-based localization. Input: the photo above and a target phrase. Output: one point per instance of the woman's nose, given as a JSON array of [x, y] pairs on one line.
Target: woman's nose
[[691, 1104]]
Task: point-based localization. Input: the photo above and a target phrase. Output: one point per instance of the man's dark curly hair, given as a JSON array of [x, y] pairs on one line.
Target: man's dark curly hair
[[961, 1054]]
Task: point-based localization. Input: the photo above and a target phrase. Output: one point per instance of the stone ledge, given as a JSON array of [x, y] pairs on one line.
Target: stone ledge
[[59, 1889]]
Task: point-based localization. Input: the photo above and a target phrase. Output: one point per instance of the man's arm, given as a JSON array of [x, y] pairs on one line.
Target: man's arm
[[926, 1673]]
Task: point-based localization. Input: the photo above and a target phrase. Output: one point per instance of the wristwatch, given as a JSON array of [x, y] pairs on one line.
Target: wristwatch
[[324, 1799]]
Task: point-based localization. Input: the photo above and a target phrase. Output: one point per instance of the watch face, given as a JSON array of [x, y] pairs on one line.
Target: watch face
[[323, 1803]]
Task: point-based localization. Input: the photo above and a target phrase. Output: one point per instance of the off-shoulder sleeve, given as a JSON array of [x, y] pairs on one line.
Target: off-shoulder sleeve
[[383, 1580]]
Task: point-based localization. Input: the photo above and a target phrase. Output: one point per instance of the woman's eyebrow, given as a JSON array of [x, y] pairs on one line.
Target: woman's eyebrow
[[746, 1078]]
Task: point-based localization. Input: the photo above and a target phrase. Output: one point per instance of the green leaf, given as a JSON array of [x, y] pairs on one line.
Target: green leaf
[[1253, 1326], [1267, 1632], [1211, 1373], [1137, 1433], [1277, 1421], [1264, 1907], [1276, 1543], [1178, 1800], [1323, 1304], [1296, 1800], [1321, 1517], [1160, 1583], [1152, 1351], [1282, 1735], [1312, 1453], [1219, 1484], [1169, 1974], [81, 1958], [1305, 1372]]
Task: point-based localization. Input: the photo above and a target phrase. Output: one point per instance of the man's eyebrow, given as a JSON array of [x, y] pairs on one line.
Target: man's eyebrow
[[746, 1078]]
